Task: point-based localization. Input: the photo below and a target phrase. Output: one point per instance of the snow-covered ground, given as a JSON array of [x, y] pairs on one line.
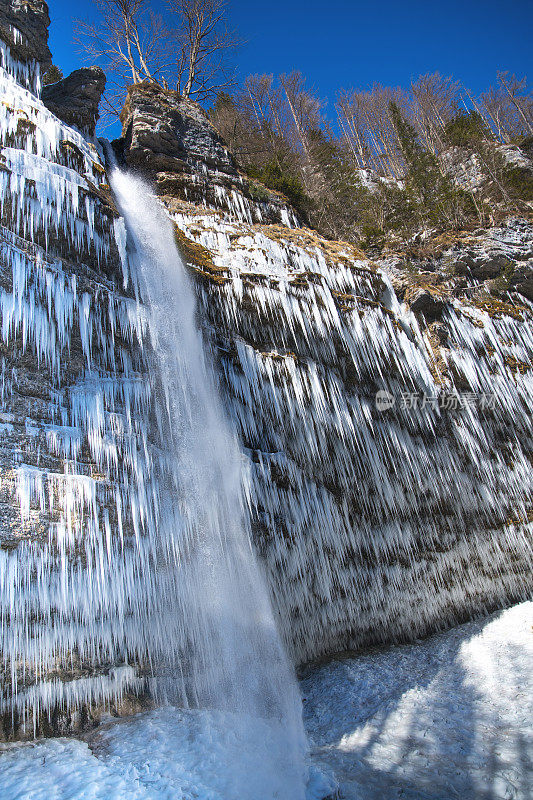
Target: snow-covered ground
[[448, 717], [445, 718]]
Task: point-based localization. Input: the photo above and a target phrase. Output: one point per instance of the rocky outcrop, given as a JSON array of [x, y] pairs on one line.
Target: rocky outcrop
[[424, 302], [76, 98], [24, 28], [486, 263], [171, 140], [467, 170]]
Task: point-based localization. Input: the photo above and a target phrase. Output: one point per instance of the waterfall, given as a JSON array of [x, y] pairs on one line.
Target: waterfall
[[127, 563], [221, 648]]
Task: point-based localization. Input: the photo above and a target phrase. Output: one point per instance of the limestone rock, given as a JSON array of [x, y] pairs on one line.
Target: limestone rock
[[489, 266], [161, 127], [423, 302], [468, 171], [75, 99], [172, 141], [24, 27], [373, 526], [522, 280]]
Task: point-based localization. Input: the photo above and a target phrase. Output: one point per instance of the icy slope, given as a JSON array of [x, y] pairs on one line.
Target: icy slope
[[448, 717]]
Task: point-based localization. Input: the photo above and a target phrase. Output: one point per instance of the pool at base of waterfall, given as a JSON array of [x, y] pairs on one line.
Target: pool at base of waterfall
[[447, 717]]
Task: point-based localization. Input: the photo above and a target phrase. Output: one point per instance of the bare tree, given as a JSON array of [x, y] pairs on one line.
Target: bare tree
[[130, 42], [519, 99], [133, 44], [434, 102], [364, 119], [204, 43], [128, 38], [304, 108]]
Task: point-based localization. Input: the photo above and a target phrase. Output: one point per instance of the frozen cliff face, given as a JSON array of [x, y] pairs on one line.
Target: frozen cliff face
[[24, 48], [389, 476], [73, 420], [386, 436]]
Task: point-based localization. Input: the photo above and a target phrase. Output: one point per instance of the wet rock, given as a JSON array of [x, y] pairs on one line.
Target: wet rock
[[75, 99]]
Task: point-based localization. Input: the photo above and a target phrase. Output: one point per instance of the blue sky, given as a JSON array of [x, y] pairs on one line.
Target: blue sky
[[342, 44]]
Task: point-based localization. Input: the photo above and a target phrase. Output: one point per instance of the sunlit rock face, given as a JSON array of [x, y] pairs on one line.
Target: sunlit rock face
[[468, 171], [171, 140]]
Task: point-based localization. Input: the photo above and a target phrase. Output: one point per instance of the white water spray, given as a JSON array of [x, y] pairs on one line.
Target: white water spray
[[223, 650]]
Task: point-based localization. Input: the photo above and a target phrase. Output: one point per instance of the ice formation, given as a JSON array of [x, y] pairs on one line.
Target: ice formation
[[442, 718], [375, 524], [132, 567], [76, 456], [371, 524]]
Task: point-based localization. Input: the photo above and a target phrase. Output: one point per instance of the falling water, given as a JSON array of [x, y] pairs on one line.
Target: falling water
[[227, 654]]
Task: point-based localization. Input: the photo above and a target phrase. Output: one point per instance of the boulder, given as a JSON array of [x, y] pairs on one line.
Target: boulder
[[489, 266], [522, 280], [76, 98]]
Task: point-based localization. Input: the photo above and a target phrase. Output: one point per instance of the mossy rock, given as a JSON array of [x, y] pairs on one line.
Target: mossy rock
[[199, 258]]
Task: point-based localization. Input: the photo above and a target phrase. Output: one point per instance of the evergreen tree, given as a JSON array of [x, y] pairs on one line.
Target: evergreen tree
[[431, 193]]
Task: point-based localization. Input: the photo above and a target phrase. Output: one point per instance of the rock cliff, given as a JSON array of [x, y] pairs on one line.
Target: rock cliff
[[24, 30], [384, 409], [376, 522], [72, 393], [171, 140], [75, 99]]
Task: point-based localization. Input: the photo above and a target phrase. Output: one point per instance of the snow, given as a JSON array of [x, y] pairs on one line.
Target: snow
[[448, 717], [167, 753]]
